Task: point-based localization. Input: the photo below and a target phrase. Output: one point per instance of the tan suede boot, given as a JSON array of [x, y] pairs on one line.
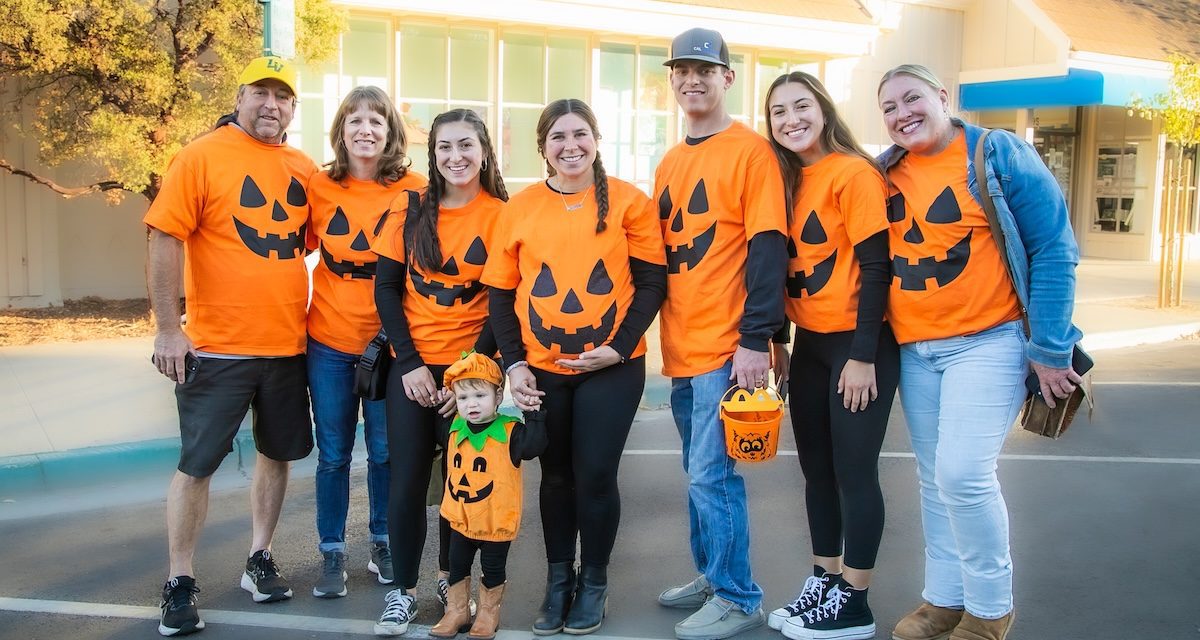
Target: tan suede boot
[[487, 619], [927, 623], [972, 628], [458, 613]]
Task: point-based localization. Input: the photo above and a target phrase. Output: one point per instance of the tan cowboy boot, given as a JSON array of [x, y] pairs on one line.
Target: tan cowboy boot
[[487, 620], [927, 623], [972, 628], [458, 613]]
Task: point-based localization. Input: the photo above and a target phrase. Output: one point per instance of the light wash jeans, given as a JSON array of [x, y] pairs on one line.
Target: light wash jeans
[[960, 397], [717, 513], [335, 416]]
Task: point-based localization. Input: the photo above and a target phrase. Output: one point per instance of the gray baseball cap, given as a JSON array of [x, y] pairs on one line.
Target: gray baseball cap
[[704, 45]]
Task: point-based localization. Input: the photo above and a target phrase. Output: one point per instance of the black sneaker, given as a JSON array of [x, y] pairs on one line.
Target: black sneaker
[[179, 613], [399, 609], [843, 616], [811, 595], [262, 578], [332, 583], [381, 563]]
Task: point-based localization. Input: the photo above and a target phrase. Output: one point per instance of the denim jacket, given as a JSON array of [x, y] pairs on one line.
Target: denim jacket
[[1042, 253]]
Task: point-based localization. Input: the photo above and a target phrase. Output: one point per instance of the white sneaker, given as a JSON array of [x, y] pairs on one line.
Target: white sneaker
[[399, 609]]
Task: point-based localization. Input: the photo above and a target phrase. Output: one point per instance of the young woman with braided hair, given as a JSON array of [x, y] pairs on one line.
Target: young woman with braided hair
[[579, 275], [432, 250]]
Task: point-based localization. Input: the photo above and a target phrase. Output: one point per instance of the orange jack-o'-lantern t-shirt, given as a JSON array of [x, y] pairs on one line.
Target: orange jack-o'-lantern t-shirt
[[345, 219], [239, 206], [712, 198], [842, 201], [573, 286], [947, 276], [446, 310]]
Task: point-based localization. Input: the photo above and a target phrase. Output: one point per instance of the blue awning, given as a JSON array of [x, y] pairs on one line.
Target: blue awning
[[1079, 88]]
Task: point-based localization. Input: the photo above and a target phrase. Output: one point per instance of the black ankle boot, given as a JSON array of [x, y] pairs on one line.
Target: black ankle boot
[[560, 590], [591, 597]]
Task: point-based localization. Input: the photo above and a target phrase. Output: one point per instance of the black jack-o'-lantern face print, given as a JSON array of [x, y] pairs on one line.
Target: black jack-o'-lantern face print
[[933, 238], [470, 486], [801, 283], [339, 227], [753, 446], [692, 251], [447, 294], [554, 325], [257, 237]]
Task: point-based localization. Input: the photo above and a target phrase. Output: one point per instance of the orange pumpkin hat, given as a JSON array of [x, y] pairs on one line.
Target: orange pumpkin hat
[[473, 365]]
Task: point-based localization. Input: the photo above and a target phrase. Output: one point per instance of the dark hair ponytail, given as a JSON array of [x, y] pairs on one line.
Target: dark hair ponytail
[[421, 239], [601, 179]]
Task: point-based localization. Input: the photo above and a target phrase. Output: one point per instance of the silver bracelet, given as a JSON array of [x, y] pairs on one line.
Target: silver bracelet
[[518, 363]]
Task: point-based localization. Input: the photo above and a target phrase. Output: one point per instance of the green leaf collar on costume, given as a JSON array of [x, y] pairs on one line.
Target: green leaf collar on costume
[[460, 430]]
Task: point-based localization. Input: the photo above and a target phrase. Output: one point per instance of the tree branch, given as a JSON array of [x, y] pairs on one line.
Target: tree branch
[[66, 192]]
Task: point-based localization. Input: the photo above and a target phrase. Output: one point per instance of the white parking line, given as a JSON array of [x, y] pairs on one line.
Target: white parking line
[[236, 618], [1145, 383], [1004, 456]]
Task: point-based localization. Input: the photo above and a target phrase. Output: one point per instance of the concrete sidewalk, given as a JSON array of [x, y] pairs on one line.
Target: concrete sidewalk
[[80, 411]]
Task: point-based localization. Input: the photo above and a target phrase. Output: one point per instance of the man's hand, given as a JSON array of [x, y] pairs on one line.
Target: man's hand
[[170, 349], [750, 368]]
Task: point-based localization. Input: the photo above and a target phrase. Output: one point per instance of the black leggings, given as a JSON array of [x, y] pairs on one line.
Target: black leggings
[[588, 417], [839, 450], [413, 434], [493, 556]]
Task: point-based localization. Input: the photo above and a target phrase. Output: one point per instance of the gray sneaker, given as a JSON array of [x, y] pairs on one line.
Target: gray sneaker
[[332, 583], [718, 619], [692, 595], [381, 563]]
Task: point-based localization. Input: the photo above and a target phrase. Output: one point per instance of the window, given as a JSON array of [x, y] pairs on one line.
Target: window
[[634, 105]]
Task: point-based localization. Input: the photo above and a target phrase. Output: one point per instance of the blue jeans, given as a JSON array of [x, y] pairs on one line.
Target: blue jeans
[[717, 513], [960, 397], [335, 414]]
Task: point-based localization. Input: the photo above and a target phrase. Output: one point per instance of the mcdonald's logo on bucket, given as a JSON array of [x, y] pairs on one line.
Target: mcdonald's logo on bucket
[[751, 420]]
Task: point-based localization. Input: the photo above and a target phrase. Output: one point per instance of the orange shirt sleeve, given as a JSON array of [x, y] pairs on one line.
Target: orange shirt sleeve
[[642, 231], [390, 241], [176, 211], [762, 195], [502, 271], [863, 204]]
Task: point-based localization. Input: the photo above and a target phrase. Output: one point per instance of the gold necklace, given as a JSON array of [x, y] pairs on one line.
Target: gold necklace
[[577, 206]]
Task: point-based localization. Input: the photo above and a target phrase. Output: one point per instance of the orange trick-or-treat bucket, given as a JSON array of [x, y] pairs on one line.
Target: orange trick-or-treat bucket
[[751, 423]]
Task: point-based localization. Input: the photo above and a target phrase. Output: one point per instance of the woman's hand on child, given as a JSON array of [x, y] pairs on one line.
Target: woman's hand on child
[[420, 387], [525, 393]]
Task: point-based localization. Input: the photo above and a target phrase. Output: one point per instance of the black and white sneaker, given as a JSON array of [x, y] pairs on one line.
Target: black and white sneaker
[[844, 615], [179, 613], [811, 595], [381, 563], [399, 609], [262, 578]]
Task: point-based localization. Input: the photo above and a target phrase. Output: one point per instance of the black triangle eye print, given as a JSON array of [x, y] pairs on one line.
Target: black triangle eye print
[[895, 208], [339, 225], [543, 286], [813, 232], [598, 282], [793, 252], [296, 195], [685, 247], [476, 253], [249, 222], [925, 241], [664, 204], [379, 225]]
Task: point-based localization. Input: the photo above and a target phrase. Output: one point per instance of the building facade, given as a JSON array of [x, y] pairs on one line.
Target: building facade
[[508, 60]]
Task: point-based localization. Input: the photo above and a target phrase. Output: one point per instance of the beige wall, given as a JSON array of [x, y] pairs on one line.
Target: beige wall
[[1002, 33]]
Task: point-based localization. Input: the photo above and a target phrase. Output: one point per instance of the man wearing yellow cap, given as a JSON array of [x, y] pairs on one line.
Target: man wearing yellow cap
[[233, 207]]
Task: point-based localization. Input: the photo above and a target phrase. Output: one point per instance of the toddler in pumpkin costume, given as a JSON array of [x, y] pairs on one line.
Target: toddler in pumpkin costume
[[482, 500]]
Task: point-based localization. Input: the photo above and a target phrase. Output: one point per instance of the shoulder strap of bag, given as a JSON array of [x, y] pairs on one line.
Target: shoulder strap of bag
[[989, 208]]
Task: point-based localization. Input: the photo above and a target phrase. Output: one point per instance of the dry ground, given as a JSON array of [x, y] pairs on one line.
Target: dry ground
[[89, 318]]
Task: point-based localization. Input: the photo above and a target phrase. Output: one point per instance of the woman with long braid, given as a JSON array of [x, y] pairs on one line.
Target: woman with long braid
[[578, 277], [432, 251]]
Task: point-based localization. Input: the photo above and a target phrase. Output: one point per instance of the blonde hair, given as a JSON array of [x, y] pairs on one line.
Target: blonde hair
[[918, 71], [471, 384]]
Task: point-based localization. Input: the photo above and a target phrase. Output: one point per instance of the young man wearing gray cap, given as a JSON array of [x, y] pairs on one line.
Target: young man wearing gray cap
[[235, 199], [721, 205]]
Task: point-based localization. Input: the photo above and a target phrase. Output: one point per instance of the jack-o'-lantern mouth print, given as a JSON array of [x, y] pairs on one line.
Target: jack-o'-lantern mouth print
[[690, 253], [564, 306], [800, 283], [287, 244], [339, 225], [447, 294], [914, 272], [463, 490]]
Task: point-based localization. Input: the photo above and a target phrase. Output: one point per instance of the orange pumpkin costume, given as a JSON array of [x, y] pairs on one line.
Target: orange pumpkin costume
[[345, 219], [948, 279], [483, 486], [246, 217]]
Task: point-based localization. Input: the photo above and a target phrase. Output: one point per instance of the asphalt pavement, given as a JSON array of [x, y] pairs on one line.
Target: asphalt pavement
[[1104, 528]]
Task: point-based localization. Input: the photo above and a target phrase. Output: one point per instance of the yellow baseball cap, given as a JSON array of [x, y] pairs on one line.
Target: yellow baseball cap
[[269, 67]]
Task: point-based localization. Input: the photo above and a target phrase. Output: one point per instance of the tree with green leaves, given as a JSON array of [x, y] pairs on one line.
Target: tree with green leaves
[[124, 84]]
